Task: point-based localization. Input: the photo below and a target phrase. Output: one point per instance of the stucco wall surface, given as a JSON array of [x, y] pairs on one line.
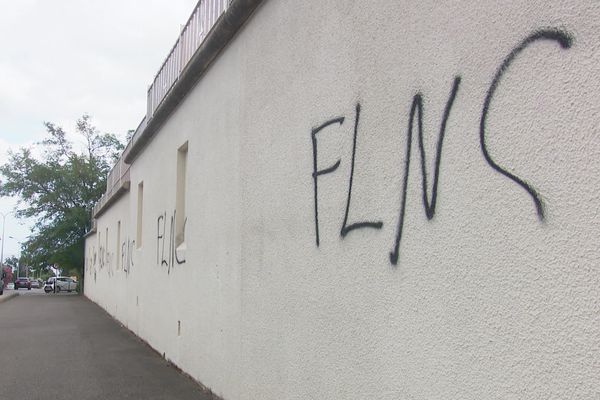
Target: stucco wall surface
[[451, 151]]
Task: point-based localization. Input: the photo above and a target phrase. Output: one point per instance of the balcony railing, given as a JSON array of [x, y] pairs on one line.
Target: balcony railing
[[203, 18], [118, 179], [116, 182], [194, 32]]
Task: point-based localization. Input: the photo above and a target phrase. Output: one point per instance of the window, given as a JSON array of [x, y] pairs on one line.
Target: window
[[140, 215], [180, 216]]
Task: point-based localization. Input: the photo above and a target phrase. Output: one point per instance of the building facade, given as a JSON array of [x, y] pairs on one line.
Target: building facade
[[383, 200]]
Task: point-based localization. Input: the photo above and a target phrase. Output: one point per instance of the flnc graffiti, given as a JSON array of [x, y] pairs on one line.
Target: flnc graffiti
[[102, 258], [127, 255], [171, 256], [416, 116]]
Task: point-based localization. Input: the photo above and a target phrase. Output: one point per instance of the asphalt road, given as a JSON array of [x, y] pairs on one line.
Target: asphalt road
[[63, 346]]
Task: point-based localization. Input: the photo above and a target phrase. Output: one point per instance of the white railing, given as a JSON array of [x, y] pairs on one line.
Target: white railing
[[118, 177], [134, 137], [203, 18], [115, 177]]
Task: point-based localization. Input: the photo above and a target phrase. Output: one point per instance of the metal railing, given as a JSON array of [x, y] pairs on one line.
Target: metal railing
[[116, 180], [134, 137], [118, 177], [203, 18]]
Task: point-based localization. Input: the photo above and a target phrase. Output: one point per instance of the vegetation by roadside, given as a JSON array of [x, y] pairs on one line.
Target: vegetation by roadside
[[57, 183]]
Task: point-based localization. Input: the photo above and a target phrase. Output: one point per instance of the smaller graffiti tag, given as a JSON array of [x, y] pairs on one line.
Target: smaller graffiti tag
[[166, 239], [127, 255], [102, 257], [94, 257], [93, 261]]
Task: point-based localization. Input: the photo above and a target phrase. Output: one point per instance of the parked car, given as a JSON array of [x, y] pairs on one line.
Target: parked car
[[2, 277], [49, 285], [62, 283], [10, 285], [22, 283], [35, 283]]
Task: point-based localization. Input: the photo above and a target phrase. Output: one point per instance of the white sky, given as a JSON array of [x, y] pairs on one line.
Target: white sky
[[60, 59]]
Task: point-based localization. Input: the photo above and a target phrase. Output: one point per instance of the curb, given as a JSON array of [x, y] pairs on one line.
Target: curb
[[6, 297]]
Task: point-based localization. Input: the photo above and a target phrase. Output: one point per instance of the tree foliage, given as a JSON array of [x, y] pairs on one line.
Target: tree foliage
[[12, 261], [58, 185]]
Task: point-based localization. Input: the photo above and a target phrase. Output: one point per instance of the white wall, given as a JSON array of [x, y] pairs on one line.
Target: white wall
[[487, 300]]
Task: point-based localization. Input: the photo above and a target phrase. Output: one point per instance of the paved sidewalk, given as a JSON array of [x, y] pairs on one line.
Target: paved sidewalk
[[65, 347], [8, 294]]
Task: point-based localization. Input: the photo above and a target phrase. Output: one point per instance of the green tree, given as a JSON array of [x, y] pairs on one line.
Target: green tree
[[58, 186], [12, 261]]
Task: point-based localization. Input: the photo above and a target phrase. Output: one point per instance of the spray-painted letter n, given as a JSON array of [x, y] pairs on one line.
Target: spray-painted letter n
[[317, 172]]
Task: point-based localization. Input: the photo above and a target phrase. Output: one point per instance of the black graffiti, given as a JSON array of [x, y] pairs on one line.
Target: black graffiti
[[93, 261], [565, 41], [106, 260], [177, 259], [127, 255], [160, 238], [316, 172], [172, 256], [357, 225], [103, 257], [417, 107], [416, 115]]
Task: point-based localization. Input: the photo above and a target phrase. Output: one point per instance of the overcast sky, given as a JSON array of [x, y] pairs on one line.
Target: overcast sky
[[60, 59]]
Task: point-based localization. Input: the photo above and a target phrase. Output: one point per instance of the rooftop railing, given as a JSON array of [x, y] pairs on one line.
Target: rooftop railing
[[203, 18], [118, 179], [116, 182]]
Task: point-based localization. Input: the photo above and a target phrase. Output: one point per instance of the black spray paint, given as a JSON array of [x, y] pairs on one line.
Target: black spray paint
[[316, 172], [171, 256], [127, 255], [416, 112], [417, 107], [565, 41], [357, 225]]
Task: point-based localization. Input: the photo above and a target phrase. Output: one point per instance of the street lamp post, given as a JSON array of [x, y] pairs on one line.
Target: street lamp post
[[2, 250], [3, 238]]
